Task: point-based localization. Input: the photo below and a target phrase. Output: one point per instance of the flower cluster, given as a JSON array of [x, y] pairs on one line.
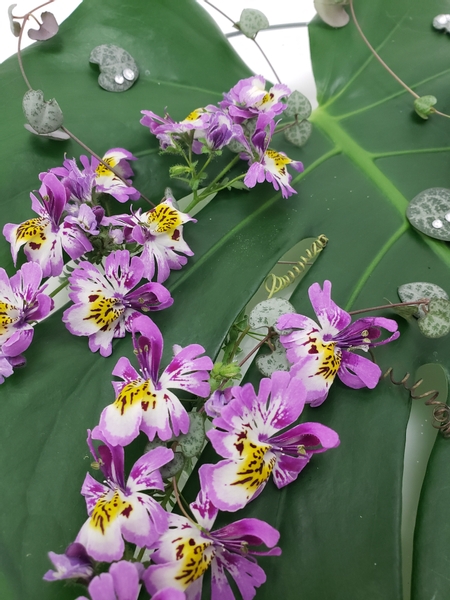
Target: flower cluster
[[245, 121]]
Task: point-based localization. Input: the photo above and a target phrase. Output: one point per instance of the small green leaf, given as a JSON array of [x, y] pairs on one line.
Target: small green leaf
[[267, 312], [43, 116], [276, 361], [118, 69], [423, 106], [410, 292], [299, 133], [297, 106], [191, 443], [251, 22], [429, 212], [436, 323]]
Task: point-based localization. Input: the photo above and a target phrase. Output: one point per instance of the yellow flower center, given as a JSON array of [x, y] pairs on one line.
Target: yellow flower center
[[163, 218], [253, 470], [101, 170], [8, 315], [134, 392], [33, 232], [194, 557], [104, 311], [107, 511]]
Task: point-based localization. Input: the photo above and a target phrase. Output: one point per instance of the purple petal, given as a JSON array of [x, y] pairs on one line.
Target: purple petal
[[357, 371], [328, 313]]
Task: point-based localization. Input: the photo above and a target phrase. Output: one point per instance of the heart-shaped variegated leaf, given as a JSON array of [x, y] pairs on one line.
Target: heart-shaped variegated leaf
[[420, 290], [267, 312], [436, 323], [297, 106], [299, 133], [429, 212], [43, 116], [252, 21], [424, 106], [118, 69], [276, 361], [191, 443]]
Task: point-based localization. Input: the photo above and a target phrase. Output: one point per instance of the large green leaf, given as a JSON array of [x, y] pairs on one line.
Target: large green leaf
[[368, 156]]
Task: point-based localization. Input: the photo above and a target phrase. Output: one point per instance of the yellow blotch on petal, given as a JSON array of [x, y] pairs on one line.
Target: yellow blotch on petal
[[8, 315], [104, 311], [101, 170], [33, 231], [329, 359], [107, 511], [280, 160], [134, 392], [163, 218], [253, 470], [194, 115], [195, 558]]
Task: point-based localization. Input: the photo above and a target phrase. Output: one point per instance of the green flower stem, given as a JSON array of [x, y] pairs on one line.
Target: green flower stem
[[424, 301], [288, 126], [140, 556], [211, 187], [56, 291], [238, 341]]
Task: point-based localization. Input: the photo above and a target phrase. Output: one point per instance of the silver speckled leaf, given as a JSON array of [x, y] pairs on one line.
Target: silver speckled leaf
[[14, 25], [436, 323], [43, 116], [299, 133], [410, 292], [277, 361], [298, 106], [267, 312], [428, 211], [252, 21], [191, 443], [118, 69], [173, 467]]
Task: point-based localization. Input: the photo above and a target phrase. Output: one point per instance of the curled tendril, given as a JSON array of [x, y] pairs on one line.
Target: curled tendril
[[441, 411], [274, 283]]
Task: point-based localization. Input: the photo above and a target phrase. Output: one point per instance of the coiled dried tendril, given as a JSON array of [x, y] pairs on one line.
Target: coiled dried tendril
[[275, 283], [441, 411]]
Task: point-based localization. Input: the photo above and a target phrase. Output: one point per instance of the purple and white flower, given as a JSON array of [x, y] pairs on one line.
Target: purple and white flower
[[186, 550], [247, 435], [168, 131], [160, 233], [22, 302], [320, 352], [73, 564], [266, 164], [106, 181], [249, 98], [144, 401], [117, 509], [105, 303], [45, 237]]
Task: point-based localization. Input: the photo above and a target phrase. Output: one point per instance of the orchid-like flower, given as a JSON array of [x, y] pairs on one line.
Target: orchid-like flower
[[160, 233], [144, 401], [247, 435], [168, 131], [266, 164], [187, 549], [320, 352], [22, 303], [106, 181], [249, 98], [119, 510], [45, 237], [73, 564], [105, 303]]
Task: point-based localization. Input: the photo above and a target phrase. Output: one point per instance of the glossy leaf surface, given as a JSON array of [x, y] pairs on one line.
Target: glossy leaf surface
[[369, 154]]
